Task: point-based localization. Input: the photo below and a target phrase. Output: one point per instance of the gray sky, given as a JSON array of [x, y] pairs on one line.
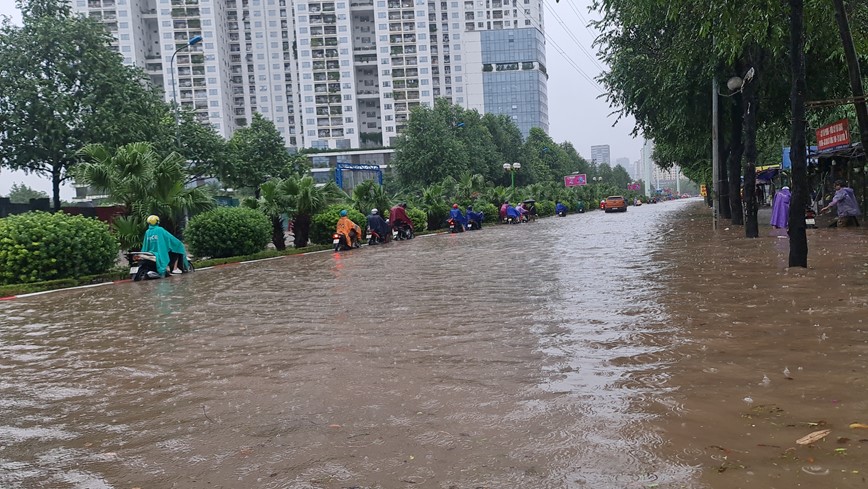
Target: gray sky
[[575, 112]]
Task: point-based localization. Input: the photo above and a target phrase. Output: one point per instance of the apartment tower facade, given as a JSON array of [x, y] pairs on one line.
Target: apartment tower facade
[[335, 74]]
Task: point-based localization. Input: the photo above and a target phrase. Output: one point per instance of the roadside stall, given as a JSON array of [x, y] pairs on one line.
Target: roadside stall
[[837, 159]]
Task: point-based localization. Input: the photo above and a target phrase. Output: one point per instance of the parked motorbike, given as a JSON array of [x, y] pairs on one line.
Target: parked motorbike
[[810, 218], [563, 213], [473, 225]]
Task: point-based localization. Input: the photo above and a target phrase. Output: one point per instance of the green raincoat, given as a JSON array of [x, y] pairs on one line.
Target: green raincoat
[[160, 242]]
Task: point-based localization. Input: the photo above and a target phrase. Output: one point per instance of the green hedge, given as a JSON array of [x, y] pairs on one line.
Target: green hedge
[[419, 218], [39, 246], [545, 208], [228, 231], [323, 225]]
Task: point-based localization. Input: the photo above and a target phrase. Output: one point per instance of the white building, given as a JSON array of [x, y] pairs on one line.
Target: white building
[[600, 154], [335, 74]]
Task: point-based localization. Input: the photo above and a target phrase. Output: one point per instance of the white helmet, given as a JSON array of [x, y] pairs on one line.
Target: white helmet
[[374, 210]]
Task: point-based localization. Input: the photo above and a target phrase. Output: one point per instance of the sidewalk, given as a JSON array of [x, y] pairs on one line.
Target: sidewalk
[[763, 355]]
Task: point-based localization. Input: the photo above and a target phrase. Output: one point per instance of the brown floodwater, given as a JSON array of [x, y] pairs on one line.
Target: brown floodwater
[[599, 350]]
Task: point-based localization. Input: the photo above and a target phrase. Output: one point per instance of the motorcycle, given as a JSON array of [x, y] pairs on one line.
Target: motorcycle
[[455, 226], [340, 241], [562, 214], [374, 238], [144, 265], [402, 231], [810, 218]]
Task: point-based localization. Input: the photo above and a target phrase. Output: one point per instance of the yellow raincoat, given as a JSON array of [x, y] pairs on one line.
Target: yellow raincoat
[[345, 225]]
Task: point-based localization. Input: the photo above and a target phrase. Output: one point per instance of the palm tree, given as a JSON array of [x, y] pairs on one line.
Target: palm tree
[[274, 202], [306, 198], [136, 177], [434, 202], [368, 195]]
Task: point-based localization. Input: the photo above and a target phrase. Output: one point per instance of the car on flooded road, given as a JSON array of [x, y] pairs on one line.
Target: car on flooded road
[[615, 203]]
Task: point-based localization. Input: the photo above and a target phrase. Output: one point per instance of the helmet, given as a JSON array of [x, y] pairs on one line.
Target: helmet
[[404, 205], [454, 206], [153, 220], [343, 212], [374, 210]]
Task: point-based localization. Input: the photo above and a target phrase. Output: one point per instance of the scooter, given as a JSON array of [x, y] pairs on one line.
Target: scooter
[[402, 231], [810, 218], [340, 241], [473, 226], [144, 265], [562, 214], [455, 226], [374, 238]]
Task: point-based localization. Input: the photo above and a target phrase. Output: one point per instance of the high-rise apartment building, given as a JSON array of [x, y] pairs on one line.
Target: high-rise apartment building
[[336, 74], [600, 154]]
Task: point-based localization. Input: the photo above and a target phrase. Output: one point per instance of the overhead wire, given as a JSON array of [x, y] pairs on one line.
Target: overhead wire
[[575, 39], [563, 53]]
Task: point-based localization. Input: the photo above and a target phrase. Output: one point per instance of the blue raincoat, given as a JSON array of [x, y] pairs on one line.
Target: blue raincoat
[[512, 212], [560, 208], [160, 242], [474, 216], [458, 216]]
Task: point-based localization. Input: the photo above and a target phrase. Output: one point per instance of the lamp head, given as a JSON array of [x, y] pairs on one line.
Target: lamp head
[[507, 166], [734, 83], [516, 165], [194, 40]]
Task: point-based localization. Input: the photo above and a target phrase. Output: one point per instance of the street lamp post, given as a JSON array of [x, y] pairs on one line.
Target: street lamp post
[[512, 168], [193, 40]]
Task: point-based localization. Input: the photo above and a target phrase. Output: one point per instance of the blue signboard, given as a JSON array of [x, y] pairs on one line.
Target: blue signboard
[[786, 164]]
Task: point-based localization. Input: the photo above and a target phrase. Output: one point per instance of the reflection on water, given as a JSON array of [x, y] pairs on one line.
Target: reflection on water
[[518, 356]]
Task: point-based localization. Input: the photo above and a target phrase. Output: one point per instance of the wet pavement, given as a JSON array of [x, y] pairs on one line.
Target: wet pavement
[[597, 350]]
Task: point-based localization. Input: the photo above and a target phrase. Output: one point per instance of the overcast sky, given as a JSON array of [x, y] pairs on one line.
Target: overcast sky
[[575, 112]]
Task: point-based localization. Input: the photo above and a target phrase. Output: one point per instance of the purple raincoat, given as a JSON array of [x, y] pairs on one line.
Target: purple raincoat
[[781, 208]]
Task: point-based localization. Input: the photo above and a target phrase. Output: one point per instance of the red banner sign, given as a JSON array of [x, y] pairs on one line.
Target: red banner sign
[[833, 135], [576, 180]]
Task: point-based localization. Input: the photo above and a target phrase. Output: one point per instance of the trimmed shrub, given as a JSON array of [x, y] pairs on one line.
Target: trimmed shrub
[[39, 246], [419, 218], [323, 225], [228, 231], [545, 208], [490, 211]]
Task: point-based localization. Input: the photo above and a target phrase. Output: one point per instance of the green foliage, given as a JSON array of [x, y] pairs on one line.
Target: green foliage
[[419, 218], [323, 224], [39, 246], [228, 231], [545, 208], [489, 211], [21, 194], [259, 153], [129, 231], [205, 151], [370, 195], [136, 177], [64, 87]]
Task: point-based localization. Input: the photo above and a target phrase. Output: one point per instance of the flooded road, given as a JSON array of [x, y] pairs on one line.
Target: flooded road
[[561, 353]]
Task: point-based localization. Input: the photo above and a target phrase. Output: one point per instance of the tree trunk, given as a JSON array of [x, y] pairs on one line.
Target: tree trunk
[[55, 185], [736, 148], [723, 180], [798, 237], [751, 106], [277, 236], [301, 230], [853, 68]]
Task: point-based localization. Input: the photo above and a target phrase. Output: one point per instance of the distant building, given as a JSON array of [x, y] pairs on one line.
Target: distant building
[[624, 162], [600, 154]]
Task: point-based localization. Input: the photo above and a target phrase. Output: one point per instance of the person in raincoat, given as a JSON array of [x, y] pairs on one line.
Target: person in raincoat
[[456, 215], [377, 224], [475, 217], [166, 248], [512, 212], [560, 209], [347, 227], [781, 209], [398, 216]]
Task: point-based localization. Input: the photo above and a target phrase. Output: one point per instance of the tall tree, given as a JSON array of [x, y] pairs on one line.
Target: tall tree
[[206, 152], [428, 149], [63, 87], [853, 70], [798, 236], [259, 153], [21, 194]]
